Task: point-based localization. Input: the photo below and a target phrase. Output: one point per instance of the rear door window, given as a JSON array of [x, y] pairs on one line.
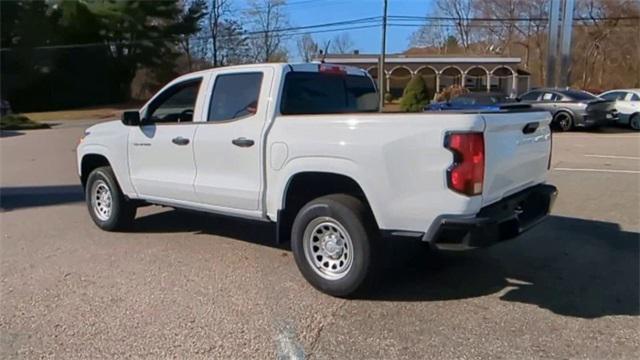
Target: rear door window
[[327, 93], [235, 96], [549, 96]]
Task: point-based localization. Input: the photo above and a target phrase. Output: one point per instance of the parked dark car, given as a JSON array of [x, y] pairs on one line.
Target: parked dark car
[[572, 108], [477, 102], [5, 107]]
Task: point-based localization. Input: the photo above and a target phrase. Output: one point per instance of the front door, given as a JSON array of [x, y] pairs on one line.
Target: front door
[[161, 149], [228, 146]]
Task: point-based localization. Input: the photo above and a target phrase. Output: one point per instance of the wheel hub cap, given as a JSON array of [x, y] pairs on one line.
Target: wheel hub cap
[[328, 248], [101, 200], [333, 246]]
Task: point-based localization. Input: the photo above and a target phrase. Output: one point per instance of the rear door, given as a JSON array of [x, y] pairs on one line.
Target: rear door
[[228, 145], [517, 149]]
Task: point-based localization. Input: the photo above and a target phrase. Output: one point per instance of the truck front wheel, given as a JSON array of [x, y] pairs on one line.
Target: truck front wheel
[[333, 240], [108, 206]]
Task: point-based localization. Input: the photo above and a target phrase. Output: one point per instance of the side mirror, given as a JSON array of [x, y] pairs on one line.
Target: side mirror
[[131, 118], [517, 99]]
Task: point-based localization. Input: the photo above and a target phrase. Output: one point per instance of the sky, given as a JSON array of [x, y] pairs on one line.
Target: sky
[[302, 13]]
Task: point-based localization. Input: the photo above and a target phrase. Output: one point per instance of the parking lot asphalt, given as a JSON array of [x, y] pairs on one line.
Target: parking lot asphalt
[[184, 285]]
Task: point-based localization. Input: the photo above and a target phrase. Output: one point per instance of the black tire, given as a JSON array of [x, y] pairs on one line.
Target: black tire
[[121, 211], [634, 122], [563, 121], [352, 216]]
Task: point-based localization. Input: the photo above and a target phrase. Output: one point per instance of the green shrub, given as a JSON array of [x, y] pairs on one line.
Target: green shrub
[[388, 97], [415, 95], [20, 122]]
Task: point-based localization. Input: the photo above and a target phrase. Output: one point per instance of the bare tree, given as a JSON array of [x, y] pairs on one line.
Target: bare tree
[[461, 12], [526, 38], [342, 44], [218, 10], [601, 33], [268, 18], [307, 48], [431, 35]]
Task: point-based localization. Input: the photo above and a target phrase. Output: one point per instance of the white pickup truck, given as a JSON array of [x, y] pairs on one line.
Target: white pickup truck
[[305, 147]]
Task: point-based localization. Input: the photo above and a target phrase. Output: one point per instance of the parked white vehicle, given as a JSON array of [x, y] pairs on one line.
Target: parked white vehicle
[[627, 105], [304, 146]]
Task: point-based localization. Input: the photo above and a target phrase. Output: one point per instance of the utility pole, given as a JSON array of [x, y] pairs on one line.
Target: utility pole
[[565, 44], [552, 43], [381, 73]]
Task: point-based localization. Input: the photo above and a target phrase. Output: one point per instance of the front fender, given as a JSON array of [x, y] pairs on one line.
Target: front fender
[[118, 162]]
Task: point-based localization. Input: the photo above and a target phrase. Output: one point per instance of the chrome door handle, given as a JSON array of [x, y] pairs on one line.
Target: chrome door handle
[[180, 140], [242, 142]]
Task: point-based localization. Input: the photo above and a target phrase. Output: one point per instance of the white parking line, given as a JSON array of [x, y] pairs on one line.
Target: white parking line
[[613, 157], [600, 170], [596, 136]]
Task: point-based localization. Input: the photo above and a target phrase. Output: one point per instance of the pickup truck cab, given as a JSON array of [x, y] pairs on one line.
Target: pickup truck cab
[[305, 147]]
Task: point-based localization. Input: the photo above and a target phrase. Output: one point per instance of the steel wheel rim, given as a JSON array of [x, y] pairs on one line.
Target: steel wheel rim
[[635, 122], [328, 248], [101, 200]]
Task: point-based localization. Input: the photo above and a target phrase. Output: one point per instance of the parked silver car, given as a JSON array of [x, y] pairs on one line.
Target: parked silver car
[[572, 108], [628, 105]]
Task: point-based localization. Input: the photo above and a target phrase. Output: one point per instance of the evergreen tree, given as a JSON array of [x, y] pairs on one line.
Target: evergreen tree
[[415, 95]]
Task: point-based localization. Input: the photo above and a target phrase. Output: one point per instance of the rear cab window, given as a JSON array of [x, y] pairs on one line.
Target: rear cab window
[[308, 92]]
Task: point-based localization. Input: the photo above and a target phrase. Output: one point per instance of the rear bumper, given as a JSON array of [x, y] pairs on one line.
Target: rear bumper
[[594, 119], [499, 221]]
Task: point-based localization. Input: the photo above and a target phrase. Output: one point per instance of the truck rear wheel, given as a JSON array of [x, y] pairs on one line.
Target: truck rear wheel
[[334, 242], [108, 206]]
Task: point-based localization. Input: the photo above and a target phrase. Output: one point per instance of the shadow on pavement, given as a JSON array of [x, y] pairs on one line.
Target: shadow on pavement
[[12, 198], [611, 129], [572, 267], [256, 232], [10, 133]]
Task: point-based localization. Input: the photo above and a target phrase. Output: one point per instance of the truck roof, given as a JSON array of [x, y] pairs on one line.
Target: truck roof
[[306, 67]]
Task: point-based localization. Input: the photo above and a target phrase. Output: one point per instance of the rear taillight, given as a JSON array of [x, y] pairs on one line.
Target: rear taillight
[[332, 69], [466, 174]]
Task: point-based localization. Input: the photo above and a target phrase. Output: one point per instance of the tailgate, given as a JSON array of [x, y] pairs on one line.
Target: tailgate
[[517, 148]]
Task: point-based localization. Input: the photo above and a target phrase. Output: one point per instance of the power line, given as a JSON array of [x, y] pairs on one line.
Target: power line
[[345, 25], [368, 21], [525, 19]]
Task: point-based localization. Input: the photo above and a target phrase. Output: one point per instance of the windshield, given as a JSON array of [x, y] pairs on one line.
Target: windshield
[[327, 93]]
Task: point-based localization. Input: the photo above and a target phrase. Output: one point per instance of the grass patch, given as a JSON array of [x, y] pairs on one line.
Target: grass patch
[[20, 122]]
